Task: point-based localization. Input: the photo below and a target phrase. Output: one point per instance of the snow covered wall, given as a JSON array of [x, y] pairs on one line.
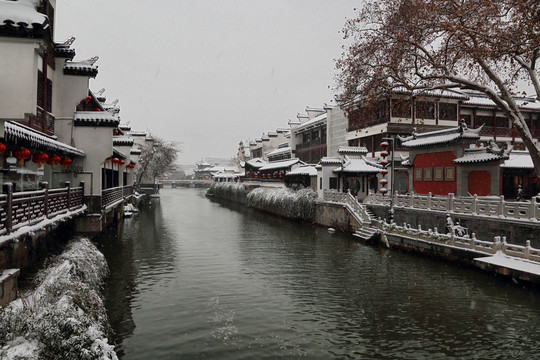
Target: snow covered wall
[[296, 205]]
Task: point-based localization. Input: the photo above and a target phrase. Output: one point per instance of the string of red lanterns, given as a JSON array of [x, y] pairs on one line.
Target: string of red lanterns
[[384, 164]]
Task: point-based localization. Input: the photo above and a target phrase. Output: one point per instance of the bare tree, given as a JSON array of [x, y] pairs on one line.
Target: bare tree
[[157, 158], [482, 45]]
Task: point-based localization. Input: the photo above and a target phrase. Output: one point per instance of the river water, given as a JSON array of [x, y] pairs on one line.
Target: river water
[[195, 279]]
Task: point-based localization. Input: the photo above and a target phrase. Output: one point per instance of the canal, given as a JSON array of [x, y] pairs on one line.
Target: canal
[[195, 279]]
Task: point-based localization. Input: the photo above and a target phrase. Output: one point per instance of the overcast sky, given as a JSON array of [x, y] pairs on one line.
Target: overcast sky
[[209, 73]]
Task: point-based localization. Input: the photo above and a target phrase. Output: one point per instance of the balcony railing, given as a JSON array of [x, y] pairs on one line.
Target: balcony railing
[[116, 194], [42, 121], [18, 209]]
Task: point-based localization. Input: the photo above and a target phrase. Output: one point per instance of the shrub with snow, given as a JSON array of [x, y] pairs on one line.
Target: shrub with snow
[[64, 316]]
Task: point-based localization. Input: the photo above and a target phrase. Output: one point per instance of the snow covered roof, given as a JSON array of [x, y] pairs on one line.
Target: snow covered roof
[[118, 154], [137, 133], [352, 150], [279, 151], [18, 133], [518, 160], [22, 17], [95, 118], [440, 136], [303, 170], [64, 50], [484, 154], [280, 164], [357, 166], [122, 141], [82, 67], [449, 94], [318, 120], [524, 103], [330, 161], [256, 163], [135, 151]]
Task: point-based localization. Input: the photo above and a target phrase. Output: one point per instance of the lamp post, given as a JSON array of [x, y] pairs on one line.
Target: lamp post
[[391, 211]]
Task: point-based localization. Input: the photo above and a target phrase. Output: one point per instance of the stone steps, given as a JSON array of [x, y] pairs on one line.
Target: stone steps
[[366, 233]]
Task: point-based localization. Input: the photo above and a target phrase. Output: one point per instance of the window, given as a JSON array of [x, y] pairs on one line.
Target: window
[[418, 174], [425, 110], [401, 108], [468, 120], [428, 174], [333, 183], [447, 111], [450, 174], [487, 120], [438, 174], [501, 122]]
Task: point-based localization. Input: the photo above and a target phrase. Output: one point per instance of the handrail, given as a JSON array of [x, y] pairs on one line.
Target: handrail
[[474, 205], [18, 209], [112, 195], [466, 242], [349, 200]]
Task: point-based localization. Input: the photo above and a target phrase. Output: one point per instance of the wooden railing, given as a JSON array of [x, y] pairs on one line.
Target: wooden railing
[[19, 209], [116, 194], [473, 205]]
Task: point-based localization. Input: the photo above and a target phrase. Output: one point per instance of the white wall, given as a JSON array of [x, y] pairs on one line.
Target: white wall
[[18, 74], [97, 143]]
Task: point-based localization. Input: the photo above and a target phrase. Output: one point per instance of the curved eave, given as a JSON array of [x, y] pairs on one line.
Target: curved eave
[[24, 136], [90, 72]]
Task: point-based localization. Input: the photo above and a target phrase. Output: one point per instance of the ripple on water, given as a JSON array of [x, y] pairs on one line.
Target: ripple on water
[[205, 281]]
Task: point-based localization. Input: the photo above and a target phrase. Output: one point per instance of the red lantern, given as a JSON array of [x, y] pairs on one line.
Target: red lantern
[[115, 132], [40, 158], [53, 160], [122, 162], [130, 166], [21, 154], [384, 153], [66, 161], [383, 162], [116, 161], [383, 182], [97, 109], [385, 144], [2, 148], [87, 99], [383, 172]]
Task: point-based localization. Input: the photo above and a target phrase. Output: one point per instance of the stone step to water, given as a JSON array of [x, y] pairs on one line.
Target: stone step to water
[[366, 233]]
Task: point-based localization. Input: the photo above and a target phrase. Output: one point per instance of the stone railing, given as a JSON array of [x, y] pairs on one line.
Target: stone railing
[[473, 205], [350, 201], [465, 242], [18, 209]]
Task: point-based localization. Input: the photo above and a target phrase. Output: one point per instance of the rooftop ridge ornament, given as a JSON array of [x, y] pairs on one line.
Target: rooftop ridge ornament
[[100, 92], [92, 60], [67, 43]]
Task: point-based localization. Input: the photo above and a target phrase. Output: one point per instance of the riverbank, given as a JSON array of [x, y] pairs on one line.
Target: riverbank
[[502, 259]]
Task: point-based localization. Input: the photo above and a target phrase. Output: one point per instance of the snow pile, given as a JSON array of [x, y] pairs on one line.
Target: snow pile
[[292, 204], [64, 317]]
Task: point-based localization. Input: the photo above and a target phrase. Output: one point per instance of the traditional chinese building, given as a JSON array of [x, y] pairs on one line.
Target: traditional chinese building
[[448, 162]]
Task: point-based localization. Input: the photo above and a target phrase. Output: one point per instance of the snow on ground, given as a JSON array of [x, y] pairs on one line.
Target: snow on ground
[[63, 317], [500, 259]]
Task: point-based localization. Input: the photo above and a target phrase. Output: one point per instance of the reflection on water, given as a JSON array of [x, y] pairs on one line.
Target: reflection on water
[[195, 279]]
